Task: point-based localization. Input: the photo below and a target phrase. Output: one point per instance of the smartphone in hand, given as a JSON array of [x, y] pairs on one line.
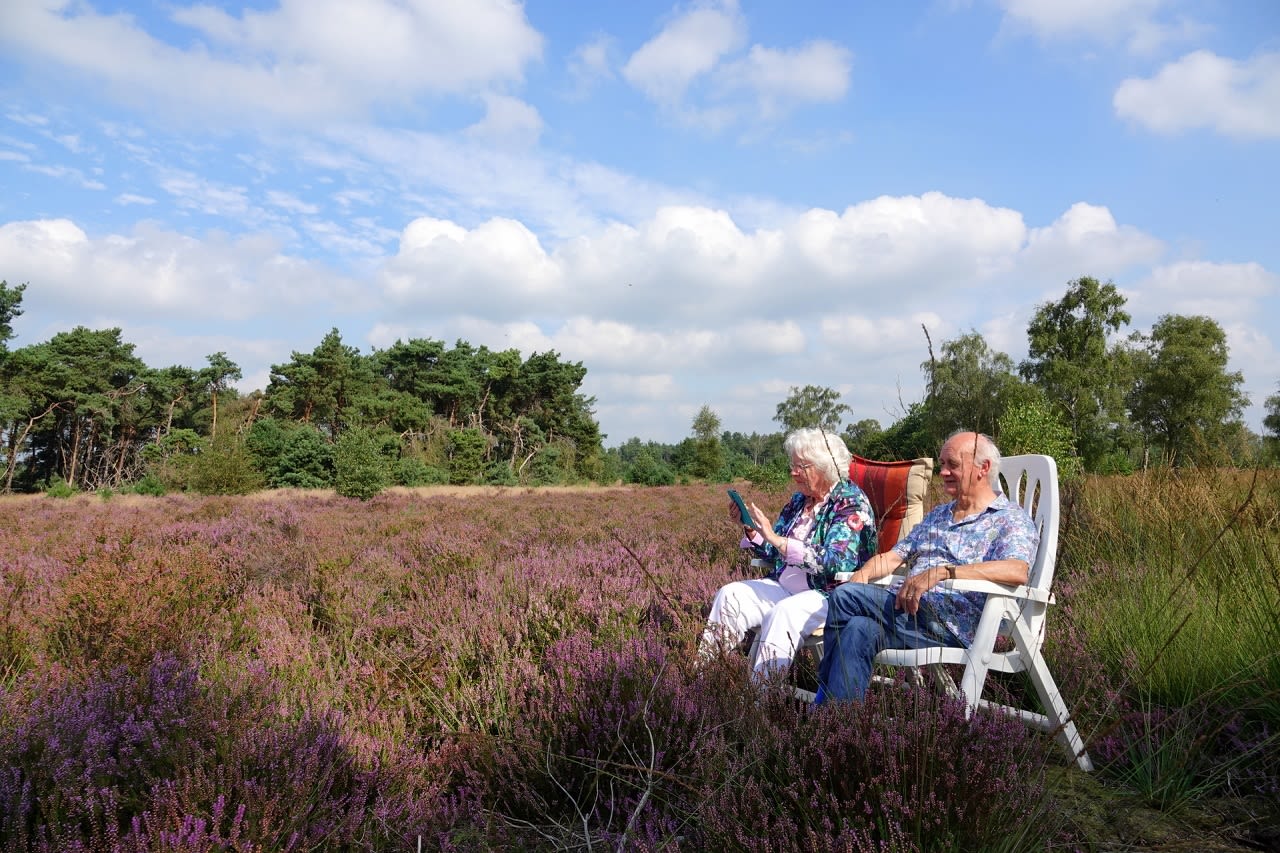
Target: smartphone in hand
[[742, 509]]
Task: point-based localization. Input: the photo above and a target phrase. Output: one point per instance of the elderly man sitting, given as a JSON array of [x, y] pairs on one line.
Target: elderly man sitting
[[978, 535]]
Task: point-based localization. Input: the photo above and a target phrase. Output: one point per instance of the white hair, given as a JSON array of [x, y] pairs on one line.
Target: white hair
[[822, 448]]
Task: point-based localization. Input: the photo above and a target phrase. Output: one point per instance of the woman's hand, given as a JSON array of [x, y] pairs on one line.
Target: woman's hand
[[758, 519]]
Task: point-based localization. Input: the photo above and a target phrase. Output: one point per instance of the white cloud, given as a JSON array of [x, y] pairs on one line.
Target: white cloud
[[290, 203], [622, 387], [910, 255], [507, 120], [66, 173], [125, 199], [28, 119], [591, 63], [760, 85], [1086, 240], [817, 72], [303, 60], [194, 192], [1203, 90], [1098, 18], [1228, 292], [690, 45], [883, 336], [161, 274]]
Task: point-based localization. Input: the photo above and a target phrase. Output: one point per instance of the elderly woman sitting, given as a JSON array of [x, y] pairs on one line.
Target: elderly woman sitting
[[826, 528]]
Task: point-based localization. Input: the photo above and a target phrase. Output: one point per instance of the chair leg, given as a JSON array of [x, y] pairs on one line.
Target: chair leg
[[1064, 729]]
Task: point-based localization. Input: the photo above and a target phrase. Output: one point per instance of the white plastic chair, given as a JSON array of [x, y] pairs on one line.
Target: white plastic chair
[[1017, 613]]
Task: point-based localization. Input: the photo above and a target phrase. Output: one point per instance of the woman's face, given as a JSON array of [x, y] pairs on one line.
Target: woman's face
[[809, 478]]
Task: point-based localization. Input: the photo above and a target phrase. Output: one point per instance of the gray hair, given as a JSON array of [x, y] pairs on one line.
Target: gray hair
[[984, 450], [822, 448]]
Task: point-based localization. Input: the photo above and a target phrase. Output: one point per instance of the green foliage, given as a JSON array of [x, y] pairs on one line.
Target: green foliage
[[970, 387], [775, 475], [1083, 375], [291, 455], [550, 466], [10, 308], [150, 485], [1034, 427], [811, 406], [911, 437], [61, 489], [321, 387], [467, 448], [1184, 394], [861, 436], [360, 469], [223, 466], [708, 456], [412, 471], [500, 474], [645, 470]]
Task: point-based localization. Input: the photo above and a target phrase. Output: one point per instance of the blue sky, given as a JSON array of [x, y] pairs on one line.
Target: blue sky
[[705, 203]]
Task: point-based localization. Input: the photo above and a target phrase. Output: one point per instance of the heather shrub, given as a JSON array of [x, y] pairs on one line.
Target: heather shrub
[[622, 747], [124, 603], [613, 746], [166, 761], [78, 755], [905, 770]]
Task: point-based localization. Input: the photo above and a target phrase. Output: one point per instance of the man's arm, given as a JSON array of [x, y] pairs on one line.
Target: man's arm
[[1011, 572], [877, 567]]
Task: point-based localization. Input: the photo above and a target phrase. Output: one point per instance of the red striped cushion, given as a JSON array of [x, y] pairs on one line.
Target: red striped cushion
[[887, 485]]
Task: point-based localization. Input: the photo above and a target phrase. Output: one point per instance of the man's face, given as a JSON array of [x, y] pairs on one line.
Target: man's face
[[958, 471]]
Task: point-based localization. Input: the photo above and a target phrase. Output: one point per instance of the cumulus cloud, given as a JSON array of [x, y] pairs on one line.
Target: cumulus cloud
[[914, 256], [686, 262], [1203, 90], [1228, 292], [1086, 238], [886, 335], [159, 273], [304, 60]]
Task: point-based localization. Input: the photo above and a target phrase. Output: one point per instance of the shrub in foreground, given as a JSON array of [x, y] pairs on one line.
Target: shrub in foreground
[[624, 749], [160, 761]]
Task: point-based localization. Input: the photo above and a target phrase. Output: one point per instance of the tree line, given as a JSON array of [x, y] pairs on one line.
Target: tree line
[[1097, 396], [82, 412]]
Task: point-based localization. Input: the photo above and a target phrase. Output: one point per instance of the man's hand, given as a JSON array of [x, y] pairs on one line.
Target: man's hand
[[914, 587]]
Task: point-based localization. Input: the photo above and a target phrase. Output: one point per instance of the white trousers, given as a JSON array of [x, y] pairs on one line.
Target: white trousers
[[783, 619]]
